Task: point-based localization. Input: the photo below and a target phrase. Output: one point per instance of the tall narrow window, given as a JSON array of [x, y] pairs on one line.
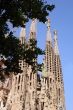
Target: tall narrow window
[[19, 79], [30, 76], [50, 80], [59, 91]]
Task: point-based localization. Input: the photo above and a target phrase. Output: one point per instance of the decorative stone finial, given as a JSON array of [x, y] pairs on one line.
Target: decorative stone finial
[[55, 32], [56, 50], [33, 25], [23, 35], [48, 23], [23, 32], [49, 38]]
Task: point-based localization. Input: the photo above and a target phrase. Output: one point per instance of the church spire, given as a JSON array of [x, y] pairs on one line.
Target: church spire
[[23, 35], [33, 29], [56, 50], [49, 38], [58, 76], [49, 49]]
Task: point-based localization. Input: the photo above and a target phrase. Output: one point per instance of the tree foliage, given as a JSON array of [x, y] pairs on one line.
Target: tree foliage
[[19, 12]]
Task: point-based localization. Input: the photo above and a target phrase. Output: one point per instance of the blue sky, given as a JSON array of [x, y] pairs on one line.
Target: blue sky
[[62, 21]]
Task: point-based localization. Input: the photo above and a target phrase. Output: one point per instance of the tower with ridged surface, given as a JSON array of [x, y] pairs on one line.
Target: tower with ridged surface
[[58, 76], [31, 91], [28, 91], [48, 76], [16, 97]]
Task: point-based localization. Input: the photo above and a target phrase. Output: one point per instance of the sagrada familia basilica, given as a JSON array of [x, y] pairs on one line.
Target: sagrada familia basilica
[[28, 91]]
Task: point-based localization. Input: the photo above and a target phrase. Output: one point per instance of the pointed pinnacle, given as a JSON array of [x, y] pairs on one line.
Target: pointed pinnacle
[[32, 34], [49, 38], [48, 23], [23, 35], [56, 50], [33, 26]]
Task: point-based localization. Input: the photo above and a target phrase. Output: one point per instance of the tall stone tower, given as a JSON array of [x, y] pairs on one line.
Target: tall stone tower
[[52, 88], [58, 76], [16, 97], [49, 69], [28, 90], [31, 74]]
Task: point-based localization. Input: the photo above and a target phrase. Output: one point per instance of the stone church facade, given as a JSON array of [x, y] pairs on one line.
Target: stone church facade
[[28, 91]]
